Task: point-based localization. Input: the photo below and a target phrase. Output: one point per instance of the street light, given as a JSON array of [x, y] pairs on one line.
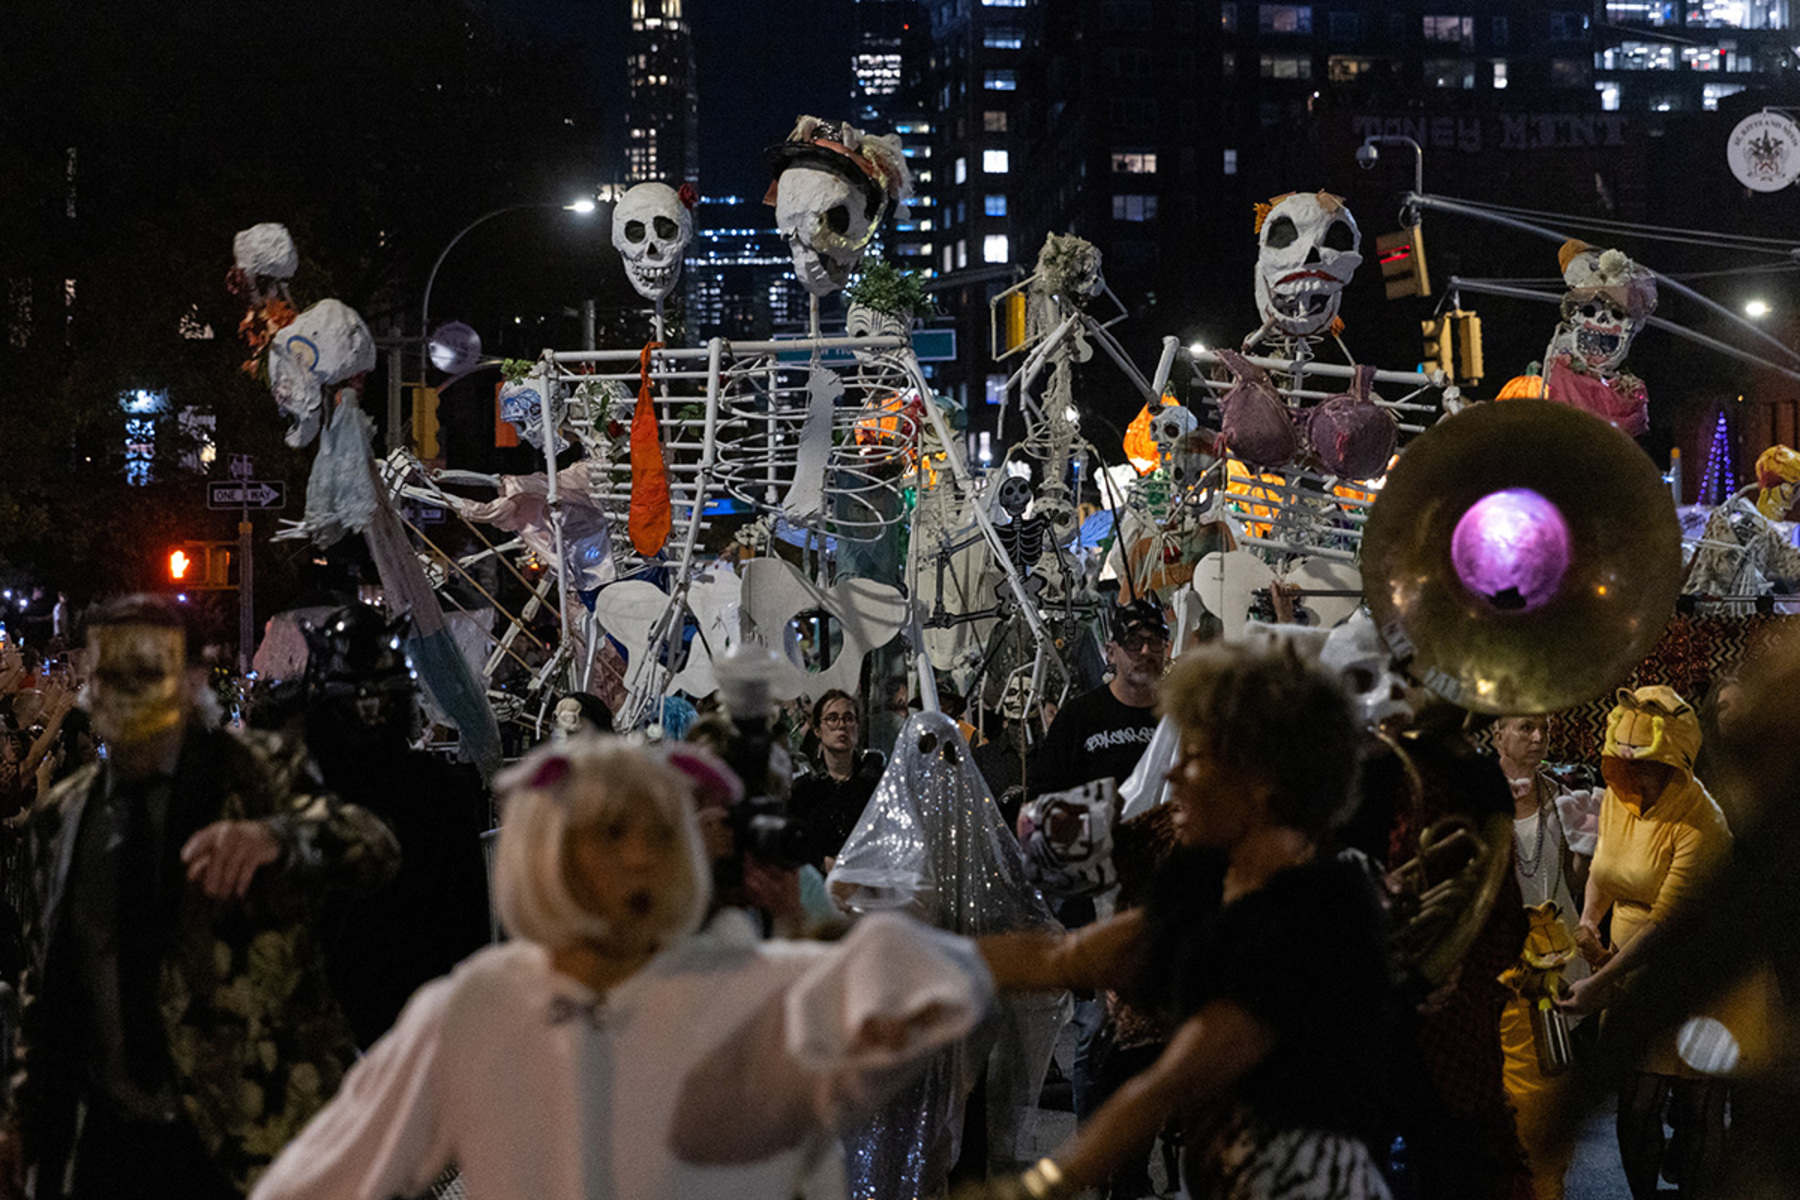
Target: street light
[[1757, 309], [583, 207]]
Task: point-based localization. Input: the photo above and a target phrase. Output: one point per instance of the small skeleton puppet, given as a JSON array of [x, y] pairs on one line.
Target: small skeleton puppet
[[1254, 424], [834, 185], [263, 260], [652, 226], [1608, 301], [1023, 538], [323, 346], [1310, 246], [1351, 436]]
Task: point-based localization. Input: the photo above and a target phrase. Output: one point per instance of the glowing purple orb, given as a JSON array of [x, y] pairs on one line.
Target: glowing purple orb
[[1512, 549]]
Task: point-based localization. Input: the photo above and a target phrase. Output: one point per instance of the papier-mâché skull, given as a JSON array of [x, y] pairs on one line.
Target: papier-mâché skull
[[1310, 246], [828, 222], [325, 345], [1356, 652], [651, 230], [1608, 301]]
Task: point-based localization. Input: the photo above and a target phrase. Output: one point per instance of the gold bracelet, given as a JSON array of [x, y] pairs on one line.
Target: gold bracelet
[[1044, 1180]]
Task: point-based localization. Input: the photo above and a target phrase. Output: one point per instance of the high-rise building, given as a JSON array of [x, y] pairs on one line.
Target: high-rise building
[[738, 277], [977, 89], [893, 47], [662, 116]]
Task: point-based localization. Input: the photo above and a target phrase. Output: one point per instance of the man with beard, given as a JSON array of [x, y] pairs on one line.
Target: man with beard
[[177, 1028], [1101, 734], [361, 716]]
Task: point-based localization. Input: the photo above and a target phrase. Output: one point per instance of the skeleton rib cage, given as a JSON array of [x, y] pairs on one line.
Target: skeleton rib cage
[[845, 421]]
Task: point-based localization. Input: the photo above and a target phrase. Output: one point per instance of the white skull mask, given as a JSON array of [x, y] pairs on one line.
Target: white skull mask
[[1310, 246], [1609, 300], [1356, 652], [651, 230], [827, 221]]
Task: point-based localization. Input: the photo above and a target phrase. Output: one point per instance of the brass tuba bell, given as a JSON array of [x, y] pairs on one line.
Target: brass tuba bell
[[1522, 557]]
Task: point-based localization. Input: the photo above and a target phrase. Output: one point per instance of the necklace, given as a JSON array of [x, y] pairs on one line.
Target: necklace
[[1528, 867]]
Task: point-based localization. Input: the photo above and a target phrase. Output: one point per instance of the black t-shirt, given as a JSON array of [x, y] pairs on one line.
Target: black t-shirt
[[1094, 736], [1305, 955], [830, 808]]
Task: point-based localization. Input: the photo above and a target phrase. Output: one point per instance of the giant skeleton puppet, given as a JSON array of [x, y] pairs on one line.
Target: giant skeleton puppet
[[834, 185], [1608, 302]]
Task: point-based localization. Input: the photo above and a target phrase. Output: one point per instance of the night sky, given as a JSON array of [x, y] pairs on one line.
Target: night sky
[[759, 65]]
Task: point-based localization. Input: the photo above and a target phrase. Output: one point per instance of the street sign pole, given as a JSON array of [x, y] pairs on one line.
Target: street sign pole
[[246, 568], [246, 597]]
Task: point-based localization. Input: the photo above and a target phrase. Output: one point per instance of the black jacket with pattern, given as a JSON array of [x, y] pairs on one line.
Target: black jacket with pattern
[[256, 1041]]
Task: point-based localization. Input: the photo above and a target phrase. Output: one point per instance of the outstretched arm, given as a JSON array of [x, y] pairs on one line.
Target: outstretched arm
[[1104, 955], [1210, 1051]]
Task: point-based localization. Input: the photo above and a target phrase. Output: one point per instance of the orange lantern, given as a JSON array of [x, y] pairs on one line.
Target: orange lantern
[[1140, 447]]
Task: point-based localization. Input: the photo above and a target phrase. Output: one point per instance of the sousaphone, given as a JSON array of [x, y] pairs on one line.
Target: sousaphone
[[1521, 558]]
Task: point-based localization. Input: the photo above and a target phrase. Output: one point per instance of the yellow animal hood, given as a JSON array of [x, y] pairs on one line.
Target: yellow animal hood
[[1654, 724]]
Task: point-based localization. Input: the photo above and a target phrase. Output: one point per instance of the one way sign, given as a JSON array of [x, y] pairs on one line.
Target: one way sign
[[247, 493]]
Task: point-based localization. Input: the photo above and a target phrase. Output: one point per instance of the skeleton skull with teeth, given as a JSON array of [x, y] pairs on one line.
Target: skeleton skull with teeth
[[833, 187], [1015, 496], [1609, 299], [1170, 426], [827, 221], [1309, 249], [652, 229]]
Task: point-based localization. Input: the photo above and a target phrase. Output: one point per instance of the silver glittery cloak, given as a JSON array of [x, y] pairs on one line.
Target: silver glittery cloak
[[932, 841]]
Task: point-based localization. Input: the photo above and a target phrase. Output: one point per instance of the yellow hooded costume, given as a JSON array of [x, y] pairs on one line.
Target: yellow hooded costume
[[1655, 850]]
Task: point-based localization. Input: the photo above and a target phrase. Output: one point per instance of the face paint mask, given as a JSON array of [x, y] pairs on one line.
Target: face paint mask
[[135, 691]]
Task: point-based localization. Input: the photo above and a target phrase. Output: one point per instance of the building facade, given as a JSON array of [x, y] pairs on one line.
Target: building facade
[[662, 115]]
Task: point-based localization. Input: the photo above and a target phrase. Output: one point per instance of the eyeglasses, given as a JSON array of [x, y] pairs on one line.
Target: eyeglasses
[[836, 720], [1135, 643]]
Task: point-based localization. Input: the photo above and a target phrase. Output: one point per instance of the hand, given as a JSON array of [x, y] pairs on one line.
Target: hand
[[1586, 996], [772, 888], [1587, 940], [894, 1033], [225, 856], [59, 698], [46, 773], [1044, 1181]]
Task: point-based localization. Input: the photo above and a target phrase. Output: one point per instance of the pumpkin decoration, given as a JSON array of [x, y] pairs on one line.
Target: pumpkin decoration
[[1140, 446], [1523, 387]]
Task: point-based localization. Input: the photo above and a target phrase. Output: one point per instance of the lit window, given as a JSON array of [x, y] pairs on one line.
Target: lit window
[[1003, 37], [1710, 96], [962, 253], [1003, 3], [1231, 162], [1133, 162], [994, 248], [1134, 208], [1003, 80], [1459, 31], [995, 162], [1566, 26], [1228, 17], [1286, 66], [994, 205], [961, 171], [1499, 75], [1609, 96], [1284, 18], [993, 122]]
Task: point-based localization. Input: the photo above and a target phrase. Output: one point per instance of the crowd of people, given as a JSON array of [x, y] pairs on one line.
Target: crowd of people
[[1310, 946]]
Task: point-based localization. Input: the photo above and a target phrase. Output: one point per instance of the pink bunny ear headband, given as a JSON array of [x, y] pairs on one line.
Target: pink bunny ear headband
[[548, 766]]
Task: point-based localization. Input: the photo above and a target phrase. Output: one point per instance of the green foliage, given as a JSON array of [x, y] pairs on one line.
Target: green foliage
[[884, 288], [517, 370]]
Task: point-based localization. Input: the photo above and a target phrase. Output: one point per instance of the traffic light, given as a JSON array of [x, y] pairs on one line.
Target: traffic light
[[201, 566], [425, 423], [1402, 258], [1437, 347], [1468, 346]]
